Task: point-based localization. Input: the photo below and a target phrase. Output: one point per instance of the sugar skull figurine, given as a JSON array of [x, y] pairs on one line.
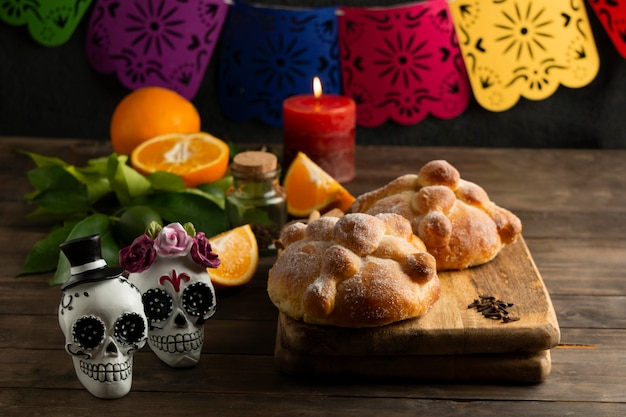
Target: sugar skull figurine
[[169, 266], [101, 315]]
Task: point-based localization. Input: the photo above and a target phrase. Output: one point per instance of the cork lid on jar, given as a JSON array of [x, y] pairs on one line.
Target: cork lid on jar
[[254, 162]]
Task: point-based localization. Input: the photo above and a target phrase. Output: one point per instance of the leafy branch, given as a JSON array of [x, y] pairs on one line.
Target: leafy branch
[[108, 197]]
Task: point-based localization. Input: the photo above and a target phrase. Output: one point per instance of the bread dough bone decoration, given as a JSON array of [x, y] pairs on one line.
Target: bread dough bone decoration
[[460, 226]]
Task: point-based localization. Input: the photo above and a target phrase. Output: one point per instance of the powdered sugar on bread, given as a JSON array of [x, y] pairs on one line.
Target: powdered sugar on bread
[[355, 271], [460, 226]]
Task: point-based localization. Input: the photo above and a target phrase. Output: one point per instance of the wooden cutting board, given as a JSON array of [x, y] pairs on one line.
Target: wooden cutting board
[[451, 341], [528, 368]]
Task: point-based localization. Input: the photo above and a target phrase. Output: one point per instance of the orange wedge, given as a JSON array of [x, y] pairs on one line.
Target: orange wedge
[[239, 257], [310, 188], [197, 158]]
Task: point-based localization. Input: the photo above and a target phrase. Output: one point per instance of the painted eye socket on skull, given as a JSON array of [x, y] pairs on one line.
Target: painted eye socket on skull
[[88, 332], [157, 304], [199, 301], [130, 329]]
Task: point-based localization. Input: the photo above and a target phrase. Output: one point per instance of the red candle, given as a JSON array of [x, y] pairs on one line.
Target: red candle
[[322, 127]]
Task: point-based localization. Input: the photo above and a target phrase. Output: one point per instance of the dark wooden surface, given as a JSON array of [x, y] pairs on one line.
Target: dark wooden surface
[[573, 207]]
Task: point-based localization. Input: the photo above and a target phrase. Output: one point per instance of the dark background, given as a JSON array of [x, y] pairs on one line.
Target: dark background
[[54, 92]]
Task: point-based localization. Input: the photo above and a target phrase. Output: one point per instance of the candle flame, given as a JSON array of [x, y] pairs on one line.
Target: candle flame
[[317, 87]]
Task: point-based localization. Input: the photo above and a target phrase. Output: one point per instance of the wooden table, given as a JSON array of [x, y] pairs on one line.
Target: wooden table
[[573, 207]]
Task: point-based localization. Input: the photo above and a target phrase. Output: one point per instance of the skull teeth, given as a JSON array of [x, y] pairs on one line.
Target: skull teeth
[[178, 343], [109, 372]]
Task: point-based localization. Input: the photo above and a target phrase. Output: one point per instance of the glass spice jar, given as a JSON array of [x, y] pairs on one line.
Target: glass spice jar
[[256, 198]]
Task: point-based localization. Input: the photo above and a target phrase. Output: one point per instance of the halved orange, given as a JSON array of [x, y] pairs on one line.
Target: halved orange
[[197, 158], [148, 112], [310, 188], [239, 257]]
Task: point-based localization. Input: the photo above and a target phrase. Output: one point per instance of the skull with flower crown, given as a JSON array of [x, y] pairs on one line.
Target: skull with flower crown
[[169, 266]]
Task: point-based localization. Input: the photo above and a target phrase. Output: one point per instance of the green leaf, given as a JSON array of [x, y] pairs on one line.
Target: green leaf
[[62, 273], [38, 211], [166, 181], [44, 255], [95, 180], [29, 196], [190, 229], [234, 149], [110, 247], [44, 161], [218, 187], [99, 164], [252, 215], [153, 229], [218, 201], [216, 191], [57, 192], [50, 177], [67, 201], [92, 225], [125, 181], [205, 215]]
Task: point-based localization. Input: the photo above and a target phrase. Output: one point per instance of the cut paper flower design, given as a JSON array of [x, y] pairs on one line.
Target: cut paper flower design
[[269, 54], [612, 15], [402, 63], [50, 22], [524, 48], [155, 42]]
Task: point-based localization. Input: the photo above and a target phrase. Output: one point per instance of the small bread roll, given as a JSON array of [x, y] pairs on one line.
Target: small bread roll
[[354, 271], [460, 226]]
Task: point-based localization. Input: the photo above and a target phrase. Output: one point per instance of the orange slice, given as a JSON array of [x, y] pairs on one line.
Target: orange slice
[[239, 257], [197, 158], [310, 188]]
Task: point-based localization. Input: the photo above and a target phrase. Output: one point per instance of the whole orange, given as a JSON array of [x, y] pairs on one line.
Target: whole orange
[[149, 112]]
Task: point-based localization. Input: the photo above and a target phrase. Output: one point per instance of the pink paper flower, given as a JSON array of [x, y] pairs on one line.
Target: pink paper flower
[[138, 256], [173, 240], [201, 252]]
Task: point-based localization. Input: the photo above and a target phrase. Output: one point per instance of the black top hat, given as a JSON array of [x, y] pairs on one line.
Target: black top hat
[[87, 264]]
